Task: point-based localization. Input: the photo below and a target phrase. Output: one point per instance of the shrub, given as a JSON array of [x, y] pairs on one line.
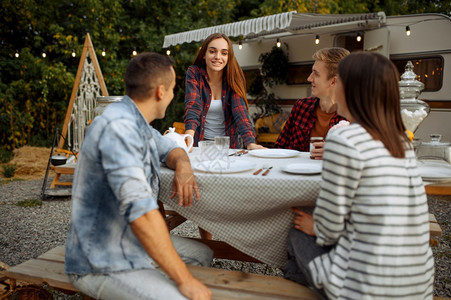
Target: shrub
[[9, 170], [5, 155]]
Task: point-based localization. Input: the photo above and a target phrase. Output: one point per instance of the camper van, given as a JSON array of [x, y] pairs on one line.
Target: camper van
[[423, 39]]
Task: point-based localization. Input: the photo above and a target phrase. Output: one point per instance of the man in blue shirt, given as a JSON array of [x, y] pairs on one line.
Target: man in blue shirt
[[118, 245]]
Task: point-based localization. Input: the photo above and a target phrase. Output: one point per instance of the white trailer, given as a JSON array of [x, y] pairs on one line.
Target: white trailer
[[428, 47]]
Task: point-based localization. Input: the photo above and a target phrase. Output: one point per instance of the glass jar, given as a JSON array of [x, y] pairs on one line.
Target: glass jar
[[103, 102], [435, 149], [413, 110]]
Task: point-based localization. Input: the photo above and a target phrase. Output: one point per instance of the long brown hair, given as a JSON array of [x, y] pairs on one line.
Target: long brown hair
[[235, 77], [371, 88]]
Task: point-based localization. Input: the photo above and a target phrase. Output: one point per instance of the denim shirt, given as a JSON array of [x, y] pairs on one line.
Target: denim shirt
[[116, 181]]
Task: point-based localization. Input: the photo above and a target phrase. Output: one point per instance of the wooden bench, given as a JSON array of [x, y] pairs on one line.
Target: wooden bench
[[49, 269], [60, 170]]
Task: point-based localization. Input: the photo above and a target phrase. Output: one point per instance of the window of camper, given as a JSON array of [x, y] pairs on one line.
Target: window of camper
[[429, 70], [298, 74], [250, 76], [349, 41]]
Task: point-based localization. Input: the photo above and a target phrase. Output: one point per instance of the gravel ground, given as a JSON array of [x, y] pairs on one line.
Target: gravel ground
[[27, 232]]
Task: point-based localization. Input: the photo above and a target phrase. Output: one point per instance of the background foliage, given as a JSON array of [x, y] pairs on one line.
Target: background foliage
[[35, 91]]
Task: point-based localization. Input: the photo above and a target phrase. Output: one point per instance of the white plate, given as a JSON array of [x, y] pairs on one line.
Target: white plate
[[306, 168], [434, 172], [274, 153], [223, 167]]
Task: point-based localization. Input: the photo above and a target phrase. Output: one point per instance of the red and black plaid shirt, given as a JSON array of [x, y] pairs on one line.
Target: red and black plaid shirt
[[296, 132], [197, 103]]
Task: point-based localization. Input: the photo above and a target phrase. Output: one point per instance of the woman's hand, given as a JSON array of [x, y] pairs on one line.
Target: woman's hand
[[303, 221], [254, 146]]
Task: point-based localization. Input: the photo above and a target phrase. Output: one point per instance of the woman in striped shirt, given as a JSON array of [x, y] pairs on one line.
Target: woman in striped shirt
[[368, 237]]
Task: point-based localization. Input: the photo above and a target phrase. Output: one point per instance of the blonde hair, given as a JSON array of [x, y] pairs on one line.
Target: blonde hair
[[331, 56]]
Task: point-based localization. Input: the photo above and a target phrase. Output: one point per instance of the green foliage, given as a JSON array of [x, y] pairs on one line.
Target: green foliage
[[29, 203], [5, 155], [35, 91], [9, 170]]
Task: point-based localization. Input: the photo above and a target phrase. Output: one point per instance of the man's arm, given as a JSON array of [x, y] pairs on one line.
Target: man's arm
[[151, 231], [184, 184]]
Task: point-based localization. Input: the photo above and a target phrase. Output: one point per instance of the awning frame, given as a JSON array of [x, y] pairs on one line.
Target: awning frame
[[283, 24]]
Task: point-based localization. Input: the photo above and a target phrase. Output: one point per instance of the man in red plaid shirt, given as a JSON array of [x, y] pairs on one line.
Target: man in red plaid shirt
[[313, 116]]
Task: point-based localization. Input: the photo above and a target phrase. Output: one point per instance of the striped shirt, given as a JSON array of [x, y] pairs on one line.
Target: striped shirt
[[373, 208]]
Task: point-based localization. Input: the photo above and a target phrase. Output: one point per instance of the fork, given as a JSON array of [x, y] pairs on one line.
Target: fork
[[259, 170]]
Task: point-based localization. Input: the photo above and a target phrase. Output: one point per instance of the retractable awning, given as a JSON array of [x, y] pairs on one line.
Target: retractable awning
[[288, 23]]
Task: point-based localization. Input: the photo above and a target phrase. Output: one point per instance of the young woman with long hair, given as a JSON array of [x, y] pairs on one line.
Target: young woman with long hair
[[368, 237], [215, 96]]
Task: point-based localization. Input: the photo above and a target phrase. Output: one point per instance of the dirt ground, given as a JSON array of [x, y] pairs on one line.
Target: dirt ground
[[31, 163]]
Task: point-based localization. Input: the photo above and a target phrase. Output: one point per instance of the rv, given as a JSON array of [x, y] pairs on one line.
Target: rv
[[423, 39]]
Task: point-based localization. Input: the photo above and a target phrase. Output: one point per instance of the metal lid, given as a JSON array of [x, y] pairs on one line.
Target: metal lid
[[109, 98], [435, 141]]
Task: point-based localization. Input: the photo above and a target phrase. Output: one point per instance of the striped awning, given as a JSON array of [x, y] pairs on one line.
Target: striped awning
[[288, 23]]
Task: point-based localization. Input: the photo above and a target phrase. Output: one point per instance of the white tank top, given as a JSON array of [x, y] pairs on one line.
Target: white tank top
[[214, 121]]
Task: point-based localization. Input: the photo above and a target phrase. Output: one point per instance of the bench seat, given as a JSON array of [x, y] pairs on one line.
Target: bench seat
[[225, 284]]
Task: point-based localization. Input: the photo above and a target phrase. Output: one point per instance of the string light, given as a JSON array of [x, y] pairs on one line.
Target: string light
[[359, 37], [134, 53], [278, 43], [408, 30], [168, 52], [240, 45], [17, 54], [73, 53], [317, 39], [44, 55], [103, 52]]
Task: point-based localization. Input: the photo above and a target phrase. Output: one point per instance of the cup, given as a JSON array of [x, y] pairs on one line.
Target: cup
[[208, 150], [314, 139], [222, 144]]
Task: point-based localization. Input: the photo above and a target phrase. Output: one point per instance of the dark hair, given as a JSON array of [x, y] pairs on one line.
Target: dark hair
[[235, 76], [370, 82], [145, 72], [331, 56]]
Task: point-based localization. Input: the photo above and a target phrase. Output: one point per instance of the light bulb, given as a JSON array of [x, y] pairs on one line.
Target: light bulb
[[103, 52], [408, 30], [134, 53], [359, 37], [44, 55], [17, 54], [317, 39], [168, 52], [73, 53], [278, 43], [240, 45]]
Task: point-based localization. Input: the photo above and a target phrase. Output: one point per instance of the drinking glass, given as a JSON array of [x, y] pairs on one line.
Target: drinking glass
[[222, 144], [208, 150]]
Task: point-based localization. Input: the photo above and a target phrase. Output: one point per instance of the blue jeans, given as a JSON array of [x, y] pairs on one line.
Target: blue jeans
[[143, 283], [302, 249]]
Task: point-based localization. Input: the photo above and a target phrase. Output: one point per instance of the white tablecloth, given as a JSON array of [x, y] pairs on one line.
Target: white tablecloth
[[250, 212]]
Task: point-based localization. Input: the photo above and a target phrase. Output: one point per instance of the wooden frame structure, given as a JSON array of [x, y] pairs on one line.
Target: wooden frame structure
[[88, 51]]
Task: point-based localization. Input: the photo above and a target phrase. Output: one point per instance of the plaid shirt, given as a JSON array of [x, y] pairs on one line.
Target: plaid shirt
[[197, 103], [296, 132]]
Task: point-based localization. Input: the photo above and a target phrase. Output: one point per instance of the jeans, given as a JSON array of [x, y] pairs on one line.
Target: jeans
[[143, 283], [302, 249]]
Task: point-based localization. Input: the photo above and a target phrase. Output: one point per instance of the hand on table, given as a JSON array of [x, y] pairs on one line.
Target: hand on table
[[318, 151], [303, 221], [254, 146], [184, 185]]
